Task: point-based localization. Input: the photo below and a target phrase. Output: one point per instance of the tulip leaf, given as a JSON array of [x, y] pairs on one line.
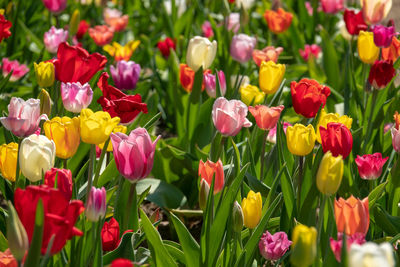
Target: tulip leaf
[[32, 260], [175, 250], [330, 60], [124, 250], [110, 172], [389, 224], [376, 194]]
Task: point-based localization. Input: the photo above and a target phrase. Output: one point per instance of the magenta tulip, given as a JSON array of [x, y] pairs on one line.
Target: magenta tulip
[[76, 96], [18, 70], [207, 30], [210, 83], [332, 6], [273, 247], [53, 38], [55, 6], [96, 204], [336, 245], [383, 35], [370, 166], [126, 74], [242, 47]]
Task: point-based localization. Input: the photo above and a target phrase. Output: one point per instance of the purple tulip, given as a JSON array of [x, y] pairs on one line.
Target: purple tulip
[[383, 35], [126, 74], [210, 83], [273, 247], [96, 204], [75, 96], [242, 47], [53, 38]]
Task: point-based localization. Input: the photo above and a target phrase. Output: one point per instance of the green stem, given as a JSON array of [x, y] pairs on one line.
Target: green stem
[[65, 162], [17, 171], [92, 158], [132, 208], [262, 158], [100, 163], [319, 227], [300, 180], [369, 126]]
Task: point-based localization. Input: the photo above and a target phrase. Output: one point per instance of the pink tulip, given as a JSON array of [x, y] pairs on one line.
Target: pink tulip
[[53, 38], [207, 29], [76, 96], [383, 35], [332, 6], [310, 50], [210, 83], [396, 139], [55, 6], [370, 166], [387, 127], [271, 137], [96, 204], [125, 75], [232, 22], [18, 70], [23, 116], [242, 47], [336, 245], [229, 116], [273, 247], [266, 117], [267, 54], [309, 8], [134, 154]]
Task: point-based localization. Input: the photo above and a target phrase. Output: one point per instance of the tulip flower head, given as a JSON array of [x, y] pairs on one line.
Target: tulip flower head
[[273, 247], [245, 4], [304, 246], [117, 129], [381, 74], [5, 26], [367, 50], [332, 6], [237, 217], [8, 160], [383, 35], [271, 76], [121, 263], [101, 34], [337, 138], [115, 19], [53, 38], [7, 257], [266, 117], [125, 74], [232, 22], [330, 173], [251, 95], [165, 46], [110, 235], [310, 51], [354, 22], [242, 47], [76, 96], [392, 52], [16, 234], [82, 29], [374, 11], [18, 70], [371, 254], [62, 178], [210, 82], [252, 209], [325, 118], [278, 21], [336, 245], [269, 53], [370, 166], [209, 170], [207, 30], [200, 53], [96, 204], [300, 139], [45, 73], [120, 52], [55, 6], [352, 215]]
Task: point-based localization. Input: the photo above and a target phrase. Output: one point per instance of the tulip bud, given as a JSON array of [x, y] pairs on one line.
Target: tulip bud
[[16, 234], [203, 194], [237, 217], [252, 209], [330, 173], [45, 73], [304, 246], [96, 204], [300, 139], [271, 76], [45, 102], [74, 22], [8, 160], [201, 53]]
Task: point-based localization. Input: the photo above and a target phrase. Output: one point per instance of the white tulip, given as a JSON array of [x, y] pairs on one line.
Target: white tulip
[[201, 52], [246, 4], [371, 255]]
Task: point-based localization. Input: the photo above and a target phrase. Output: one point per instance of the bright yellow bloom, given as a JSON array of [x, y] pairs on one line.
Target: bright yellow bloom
[[45, 73], [252, 209], [251, 95], [300, 139], [326, 118], [367, 50], [65, 134], [119, 129], [8, 160], [120, 52], [271, 76], [330, 173], [96, 127], [304, 246]]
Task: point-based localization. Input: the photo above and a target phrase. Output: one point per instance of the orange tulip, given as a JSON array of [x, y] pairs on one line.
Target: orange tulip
[[352, 215], [278, 21], [392, 52], [208, 169], [115, 19], [266, 117], [186, 77], [267, 54], [101, 34]]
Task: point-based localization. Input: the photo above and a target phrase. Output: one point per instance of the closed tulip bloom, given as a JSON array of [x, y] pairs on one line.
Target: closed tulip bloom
[[101, 34], [134, 154], [395, 139], [392, 52], [330, 173], [271, 76], [332, 6], [55, 6], [204, 190], [266, 117], [53, 38], [383, 35], [36, 156], [336, 245], [245, 4], [18, 241], [300, 139], [65, 134], [76, 96], [252, 209], [45, 102], [367, 50], [269, 53], [45, 73], [251, 95], [126, 74], [207, 30], [229, 116], [354, 22], [186, 77], [110, 235], [371, 254], [337, 138], [200, 53], [96, 204], [82, 29], [304, 246], [120, 52], [117, 129], [310, 51], [370, 166], [352, 215], [96, 127], [278, 21], [273, 247], [8, 160], [120, 262], [210, 82], [308, 96], [62, 178], [165, 46], [18, 69], [325, 118], [237, 217], [375, 11], [115, 19], [242, 47], [23, 116], [381, 74], [208, 170]]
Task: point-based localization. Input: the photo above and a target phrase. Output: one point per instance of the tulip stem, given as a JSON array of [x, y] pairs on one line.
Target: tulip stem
[[92, 157], [17, 170], [369, 126], [100, 163], [65, 163], [300, 180], [132, 208], [319, 226], [263, 156]]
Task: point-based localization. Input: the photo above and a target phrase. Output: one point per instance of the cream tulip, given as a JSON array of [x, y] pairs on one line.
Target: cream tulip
[[371, 254], [200, 53]]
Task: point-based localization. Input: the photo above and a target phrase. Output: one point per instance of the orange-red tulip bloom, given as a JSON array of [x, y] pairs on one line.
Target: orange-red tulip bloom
[[208, 169], [278, 21], [392, 52], [266, 117], [101, 34], [186, 77], [352, 215]]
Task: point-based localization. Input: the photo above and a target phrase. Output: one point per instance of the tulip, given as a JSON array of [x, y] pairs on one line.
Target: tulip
[[273, 247], [209, 81], [53, 38], [7, 259], [180, 6], [165, 46], [134, 154], [55, 6], [229, 116], [117, 129], [332, 6], [232, 22], [375, 11], [325, 118], [381, 74], [252, 209], [278, 21], [383, 35], [245, 4], [23, 116], [96, 204], [5, 26], [76, 96], [300, 139], [121, 263], [337, 138], [110, 235], [237, 217], [371, 254], [209, 170], [392, 52], [269, 53], [44, 73], [370, 166], [203, 194], [251, 95], [304, 246], [82, 29], [101, 34], [271, 76], [395, 139], [242, 47], [115, 19], [120, 52], [45, 102], [271, 137], [207, 30], [8, 160], [96, 127], [330, 173], [18, 70], [16, 234], [352, 215], [354, 22], [186, 77], [65, 134], [336, 246], [62, 178], [126, 74], [367, 50], [310, 51], [266, 117], [200, 53], [308, 96]]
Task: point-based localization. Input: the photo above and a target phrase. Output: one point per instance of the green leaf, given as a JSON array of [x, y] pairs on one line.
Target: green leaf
[[110, 172], [124, 250], [3, 242], [175, 250], [32, 260], [330, 60], [376, 194]]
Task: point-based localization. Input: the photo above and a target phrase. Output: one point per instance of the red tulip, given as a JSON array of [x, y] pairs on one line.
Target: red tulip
[[118, 104], [75, 64], [5, 26], [110, 235], [165, 46], [121, 263], [370, 166], [381, 73], [208, 170], [308, 96], [60, 214], [64, 181], [337, 138], [186, 77], [83, 27], [354, 21]]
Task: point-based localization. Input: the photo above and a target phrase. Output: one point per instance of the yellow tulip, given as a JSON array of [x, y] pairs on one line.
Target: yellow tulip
[[330, 173], [65, 134], [120, 52], [326, 118], [96, 127], [45, 73], [8, 160], [271, 76], [251, 95], [119, 129], [367, 50], [252, 208], [300, 139], [304, 245]]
